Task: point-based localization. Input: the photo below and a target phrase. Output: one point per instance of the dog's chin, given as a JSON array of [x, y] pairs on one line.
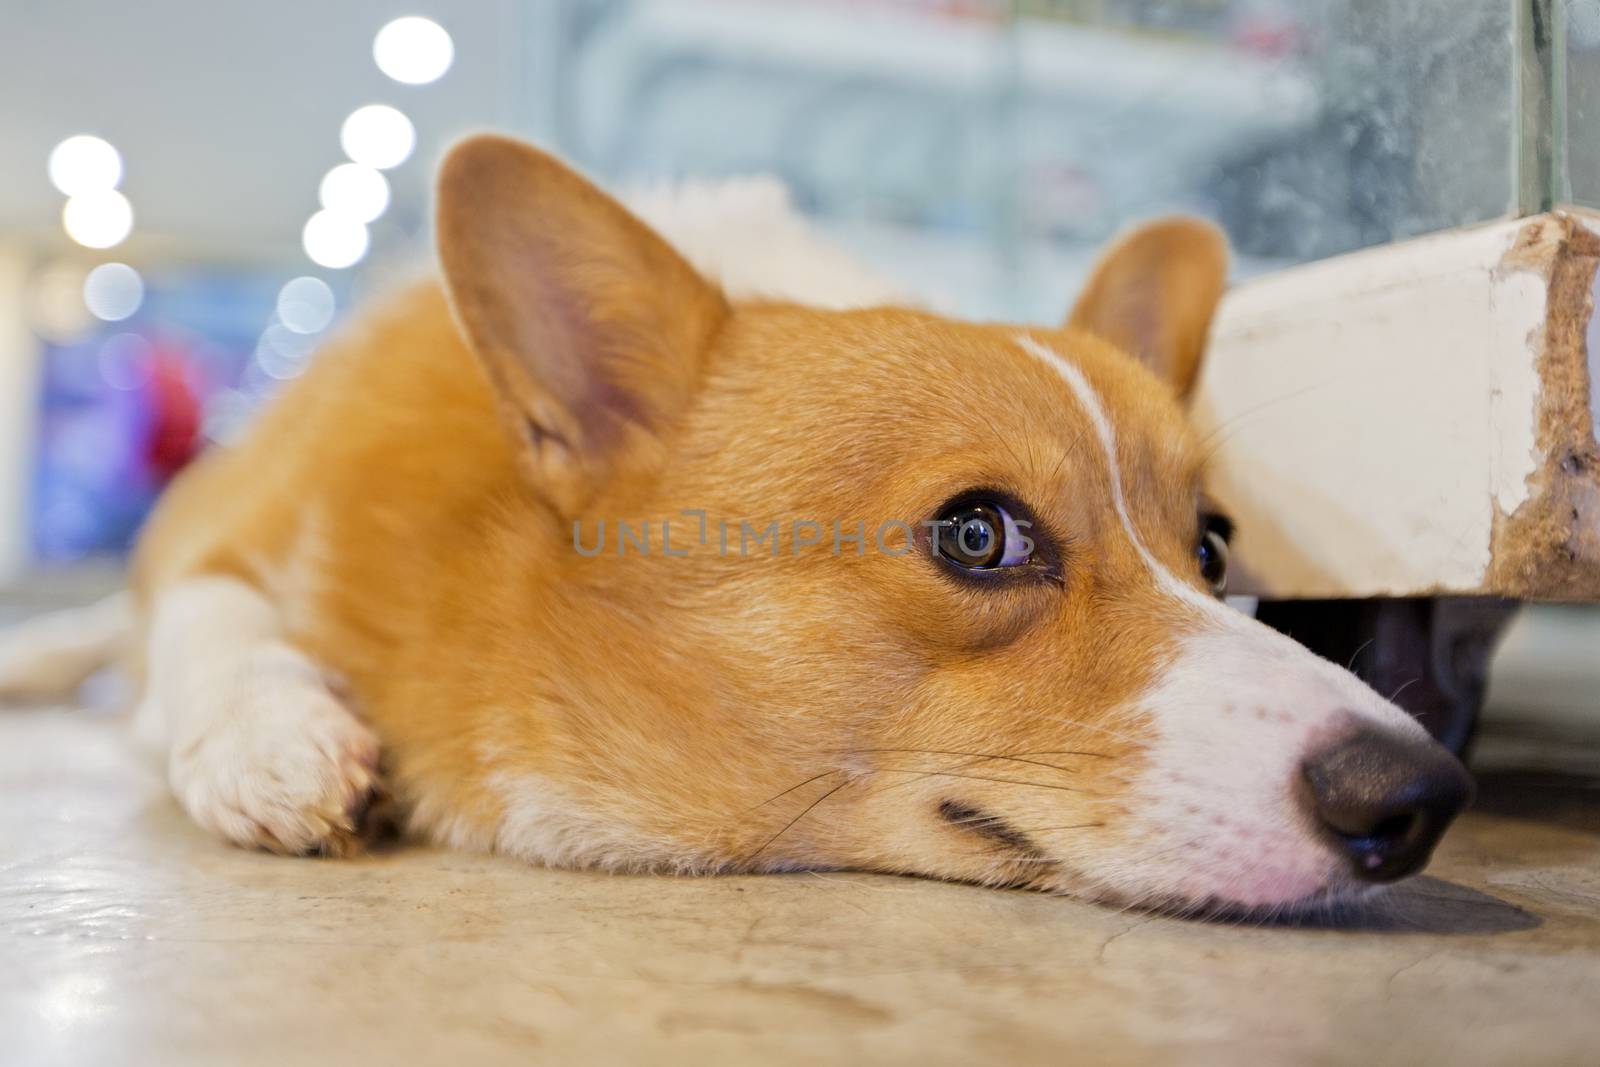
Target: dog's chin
[[1320, 892], [1338, 898], [1331, 904]]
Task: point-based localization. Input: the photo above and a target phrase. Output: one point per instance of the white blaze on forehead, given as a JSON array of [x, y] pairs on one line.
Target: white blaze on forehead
[[1090, 401], [1276, 656]]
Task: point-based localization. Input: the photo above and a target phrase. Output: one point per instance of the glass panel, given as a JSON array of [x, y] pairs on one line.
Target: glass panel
[[983, 151], [978, 151], [1583, 101]]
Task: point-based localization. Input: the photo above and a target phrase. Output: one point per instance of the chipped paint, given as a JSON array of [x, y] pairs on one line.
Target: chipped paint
[[1549, 546], [1591, 339]]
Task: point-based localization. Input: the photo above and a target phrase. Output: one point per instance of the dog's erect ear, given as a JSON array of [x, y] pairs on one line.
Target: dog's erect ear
[[592, 329], [1153, 293]]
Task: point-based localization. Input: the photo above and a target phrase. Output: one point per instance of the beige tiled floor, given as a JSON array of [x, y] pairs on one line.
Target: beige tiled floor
[[127, 936]]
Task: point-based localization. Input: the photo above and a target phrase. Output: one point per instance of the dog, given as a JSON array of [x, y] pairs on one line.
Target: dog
[[572, 555]]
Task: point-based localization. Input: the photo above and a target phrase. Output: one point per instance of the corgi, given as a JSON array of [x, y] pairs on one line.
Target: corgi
[[580, 555]]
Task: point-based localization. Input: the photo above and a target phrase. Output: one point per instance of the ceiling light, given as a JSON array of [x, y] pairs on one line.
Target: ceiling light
[[98, 219], [413, 50], [359, 192], [84, 164], [334, 241], [378, 136]]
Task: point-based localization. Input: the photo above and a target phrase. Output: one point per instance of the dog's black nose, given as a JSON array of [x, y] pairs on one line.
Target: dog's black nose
[[1385, 799]]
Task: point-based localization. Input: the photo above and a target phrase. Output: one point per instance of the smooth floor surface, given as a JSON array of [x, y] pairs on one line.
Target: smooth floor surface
[[128, 936]]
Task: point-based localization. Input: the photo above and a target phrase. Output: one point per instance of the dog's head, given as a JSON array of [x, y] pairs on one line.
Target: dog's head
[[877, 589]]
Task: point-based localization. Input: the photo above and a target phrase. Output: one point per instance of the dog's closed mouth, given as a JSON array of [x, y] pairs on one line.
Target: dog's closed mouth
[[984, 824]]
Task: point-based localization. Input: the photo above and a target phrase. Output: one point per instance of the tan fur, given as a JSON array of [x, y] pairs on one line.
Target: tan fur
[[1138, 302], [413, 524]]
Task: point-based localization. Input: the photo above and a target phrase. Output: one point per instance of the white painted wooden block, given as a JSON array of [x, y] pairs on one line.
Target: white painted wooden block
[[1414, 419]]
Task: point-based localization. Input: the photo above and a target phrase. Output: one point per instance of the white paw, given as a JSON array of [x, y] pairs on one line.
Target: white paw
[[276, 761]]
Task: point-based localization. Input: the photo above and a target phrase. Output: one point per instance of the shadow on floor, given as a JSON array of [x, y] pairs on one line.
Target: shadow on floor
[[1568, 800], [1422, 905]]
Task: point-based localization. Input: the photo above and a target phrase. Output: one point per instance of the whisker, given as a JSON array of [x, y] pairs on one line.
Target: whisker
[[1403, 687], [1113, 734], [1254, 409], [987, 817], [980, 778], [982, 820], [1005, 441], [790, 824], [792, 788], [985, 755], [1070, 451]]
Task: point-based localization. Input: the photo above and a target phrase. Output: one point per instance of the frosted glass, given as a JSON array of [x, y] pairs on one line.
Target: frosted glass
[[984, 151]]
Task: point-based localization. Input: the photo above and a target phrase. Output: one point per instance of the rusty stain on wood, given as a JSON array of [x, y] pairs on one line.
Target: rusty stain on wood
[[1549, 547]]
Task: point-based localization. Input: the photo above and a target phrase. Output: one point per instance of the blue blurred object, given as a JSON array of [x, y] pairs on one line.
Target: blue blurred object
[[123, 409]]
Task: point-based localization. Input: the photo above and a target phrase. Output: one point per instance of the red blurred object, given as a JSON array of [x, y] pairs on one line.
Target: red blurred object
[[174, 416]]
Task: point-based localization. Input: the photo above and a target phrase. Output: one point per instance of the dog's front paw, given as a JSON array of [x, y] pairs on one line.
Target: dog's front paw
[[279, 763]]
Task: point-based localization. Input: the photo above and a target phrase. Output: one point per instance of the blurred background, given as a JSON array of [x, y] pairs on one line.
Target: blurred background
[[191, 193]]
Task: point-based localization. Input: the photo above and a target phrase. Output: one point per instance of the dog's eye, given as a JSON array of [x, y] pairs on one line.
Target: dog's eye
[[982, 535], [1213, 553]]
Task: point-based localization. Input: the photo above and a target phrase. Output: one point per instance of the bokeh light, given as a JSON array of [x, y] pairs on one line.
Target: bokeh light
[[378, 136], [84, 164], [334, 241], [356, 191], [306, 305], [113, 292], [100, 218], [413, 50], [282, 353]]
